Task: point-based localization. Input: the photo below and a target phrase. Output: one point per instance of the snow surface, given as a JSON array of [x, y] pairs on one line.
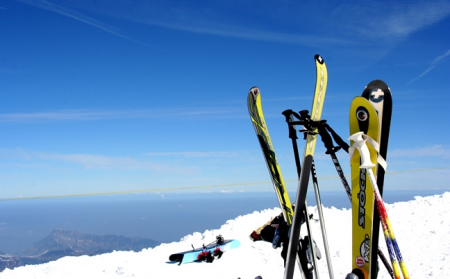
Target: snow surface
[[422, 228]]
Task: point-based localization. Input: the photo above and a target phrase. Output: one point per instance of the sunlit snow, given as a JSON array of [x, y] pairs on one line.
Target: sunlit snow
[[422, 228]]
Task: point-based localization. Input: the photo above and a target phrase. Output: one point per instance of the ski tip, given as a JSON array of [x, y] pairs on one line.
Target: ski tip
[[254, 90], [319, 59], [377, 91], [377, 83]]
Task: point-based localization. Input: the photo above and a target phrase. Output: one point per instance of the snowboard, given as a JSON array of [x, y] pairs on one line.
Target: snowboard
[[206, 253]]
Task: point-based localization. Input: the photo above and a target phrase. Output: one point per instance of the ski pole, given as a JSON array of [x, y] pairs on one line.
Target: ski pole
[[293, 135], [337, 165], [310, 146], [386, 263], [322, 220], [359, 140]]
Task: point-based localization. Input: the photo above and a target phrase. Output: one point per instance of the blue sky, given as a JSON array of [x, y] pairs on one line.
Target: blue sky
[[146, 95]]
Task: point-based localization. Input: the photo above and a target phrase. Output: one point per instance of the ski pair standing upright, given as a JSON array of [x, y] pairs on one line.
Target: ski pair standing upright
[[370, 117], [293, 219]]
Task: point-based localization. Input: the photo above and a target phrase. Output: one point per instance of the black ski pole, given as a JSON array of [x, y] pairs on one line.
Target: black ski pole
[[293, 136], [303, 116]]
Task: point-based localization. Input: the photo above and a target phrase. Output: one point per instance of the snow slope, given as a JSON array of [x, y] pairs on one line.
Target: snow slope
[[422, 228]]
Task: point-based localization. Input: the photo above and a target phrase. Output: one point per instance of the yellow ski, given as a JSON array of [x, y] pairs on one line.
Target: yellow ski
[[257, 117], [363, 117]]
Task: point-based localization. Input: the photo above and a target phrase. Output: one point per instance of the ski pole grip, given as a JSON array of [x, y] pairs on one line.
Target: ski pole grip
[[326, 139], [359, 142], [288, 114]]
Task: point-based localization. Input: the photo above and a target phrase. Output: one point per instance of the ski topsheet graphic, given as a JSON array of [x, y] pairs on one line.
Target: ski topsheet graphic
[[262, 132], [363, 118], [316, 112], [379, 95], [362, 143]]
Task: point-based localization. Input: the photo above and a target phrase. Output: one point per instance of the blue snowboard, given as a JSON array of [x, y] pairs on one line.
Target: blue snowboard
[[206, 253]]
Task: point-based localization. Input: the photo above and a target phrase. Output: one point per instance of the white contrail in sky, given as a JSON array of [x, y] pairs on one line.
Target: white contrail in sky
[[433, 65], [46, 5], [93, 115]]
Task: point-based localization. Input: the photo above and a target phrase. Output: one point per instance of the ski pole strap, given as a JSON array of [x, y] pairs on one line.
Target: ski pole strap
[[326, 139], [373, 143], [337, 138]]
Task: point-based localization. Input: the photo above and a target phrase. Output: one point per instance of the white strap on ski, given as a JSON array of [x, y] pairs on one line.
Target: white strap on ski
[[359, 142]]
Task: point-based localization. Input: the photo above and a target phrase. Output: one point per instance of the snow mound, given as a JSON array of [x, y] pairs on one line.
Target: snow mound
[[421, 226]]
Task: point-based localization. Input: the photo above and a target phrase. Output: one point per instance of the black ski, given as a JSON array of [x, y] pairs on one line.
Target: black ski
[[379, 95]]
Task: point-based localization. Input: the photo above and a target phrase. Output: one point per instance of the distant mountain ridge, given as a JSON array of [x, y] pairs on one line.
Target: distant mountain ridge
[[61, 243]]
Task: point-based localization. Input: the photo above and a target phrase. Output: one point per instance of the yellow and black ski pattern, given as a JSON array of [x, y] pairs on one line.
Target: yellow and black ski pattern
[[363, 118], [262, 132]]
